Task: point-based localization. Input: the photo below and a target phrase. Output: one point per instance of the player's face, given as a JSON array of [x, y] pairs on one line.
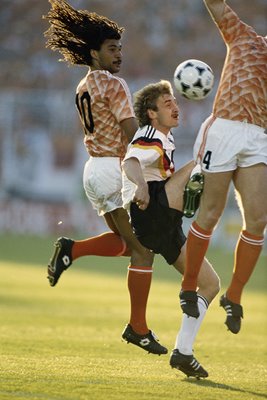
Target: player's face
[[109, 57], [167, 114]]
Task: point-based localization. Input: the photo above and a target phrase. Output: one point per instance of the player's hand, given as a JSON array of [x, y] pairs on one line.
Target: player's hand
[[141, 197]]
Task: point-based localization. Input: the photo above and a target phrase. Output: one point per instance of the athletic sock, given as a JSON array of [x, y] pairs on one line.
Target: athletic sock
[[196, 247], [247, 252], [189, 328], [108, 244], [139, 281]]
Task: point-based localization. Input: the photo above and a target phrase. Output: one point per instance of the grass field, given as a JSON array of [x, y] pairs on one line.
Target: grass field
[[64, 342]]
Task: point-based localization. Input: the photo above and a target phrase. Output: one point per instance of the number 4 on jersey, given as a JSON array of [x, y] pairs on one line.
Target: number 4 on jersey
[[207, 158]]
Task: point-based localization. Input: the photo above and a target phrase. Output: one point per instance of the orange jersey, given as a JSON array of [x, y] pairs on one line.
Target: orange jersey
[[242, 91], [103, 101]]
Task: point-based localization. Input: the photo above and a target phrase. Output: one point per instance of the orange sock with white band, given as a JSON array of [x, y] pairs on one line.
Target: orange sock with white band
[[108, 244], [139, 281], [247, 252], [196, 247]]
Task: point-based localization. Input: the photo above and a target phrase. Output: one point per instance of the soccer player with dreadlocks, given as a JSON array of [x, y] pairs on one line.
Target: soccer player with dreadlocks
[[105, 109]]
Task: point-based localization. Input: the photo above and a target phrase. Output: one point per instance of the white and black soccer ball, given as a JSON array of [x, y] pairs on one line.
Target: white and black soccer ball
[[193, 79]]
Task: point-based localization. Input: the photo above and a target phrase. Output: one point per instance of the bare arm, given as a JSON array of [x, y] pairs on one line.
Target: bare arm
[[134, 173], [215, 8], [129, 126]]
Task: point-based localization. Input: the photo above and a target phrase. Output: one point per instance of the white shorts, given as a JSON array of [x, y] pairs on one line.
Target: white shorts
[[223, 145], [102, 182]]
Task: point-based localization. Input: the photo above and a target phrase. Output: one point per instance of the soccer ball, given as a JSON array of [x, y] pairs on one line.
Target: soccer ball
[[193, 79]]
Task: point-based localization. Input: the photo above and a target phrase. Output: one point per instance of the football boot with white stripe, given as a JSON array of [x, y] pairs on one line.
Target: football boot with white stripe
[[192, 194], [148, 342], [234, 313], [60, 260], [187, 364], [188, 303]]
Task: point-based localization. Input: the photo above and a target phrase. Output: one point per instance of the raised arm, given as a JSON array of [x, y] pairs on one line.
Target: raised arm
[[215, 8]]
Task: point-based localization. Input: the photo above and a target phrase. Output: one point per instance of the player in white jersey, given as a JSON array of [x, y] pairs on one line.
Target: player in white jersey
[[153, 193], [107, 116], [232, 146]]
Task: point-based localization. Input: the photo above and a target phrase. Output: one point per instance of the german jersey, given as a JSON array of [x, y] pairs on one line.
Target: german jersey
[[242, 91], [155, 151], [103, 101]]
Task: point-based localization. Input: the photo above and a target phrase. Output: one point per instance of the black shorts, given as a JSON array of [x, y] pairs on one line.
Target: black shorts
[[159, 227]]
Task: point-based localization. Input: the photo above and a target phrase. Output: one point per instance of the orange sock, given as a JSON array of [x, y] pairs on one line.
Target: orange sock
[[108, 244], [139, 281], [247, 252], [196, 247]]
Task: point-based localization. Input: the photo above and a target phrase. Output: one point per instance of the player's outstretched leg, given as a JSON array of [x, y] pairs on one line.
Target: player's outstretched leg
[[60, 260], [148, 342], [188, 364], [234, 313]]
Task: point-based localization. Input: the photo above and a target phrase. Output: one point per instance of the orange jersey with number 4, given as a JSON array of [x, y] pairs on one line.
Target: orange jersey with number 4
[[242, 92], [103, 101]]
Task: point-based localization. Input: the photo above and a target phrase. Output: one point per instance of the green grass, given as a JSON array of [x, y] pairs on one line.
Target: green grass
[[64, 342], [37, 250]]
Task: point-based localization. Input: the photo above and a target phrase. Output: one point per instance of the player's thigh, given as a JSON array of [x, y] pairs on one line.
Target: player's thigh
[[213, 199], [174, 188], [251, 185], [110, 223], [140, 255], [102, 183]]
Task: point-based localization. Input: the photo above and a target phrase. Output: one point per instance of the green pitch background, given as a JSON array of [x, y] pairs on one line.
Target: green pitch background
[[64, 342]]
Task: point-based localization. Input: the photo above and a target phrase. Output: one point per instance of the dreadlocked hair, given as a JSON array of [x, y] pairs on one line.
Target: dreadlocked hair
[[75, 32], [146, 98]]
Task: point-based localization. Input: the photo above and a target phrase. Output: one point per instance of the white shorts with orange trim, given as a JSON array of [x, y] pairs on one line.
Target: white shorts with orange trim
[[223, 145], [102, 182]]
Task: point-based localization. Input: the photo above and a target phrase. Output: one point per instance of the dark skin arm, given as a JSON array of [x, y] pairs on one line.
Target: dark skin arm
[[129, 127]]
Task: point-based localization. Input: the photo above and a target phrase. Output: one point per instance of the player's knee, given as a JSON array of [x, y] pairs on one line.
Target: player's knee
[[215, 286], [208, 218], [142, 257], [209, 283], [256, 225]]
